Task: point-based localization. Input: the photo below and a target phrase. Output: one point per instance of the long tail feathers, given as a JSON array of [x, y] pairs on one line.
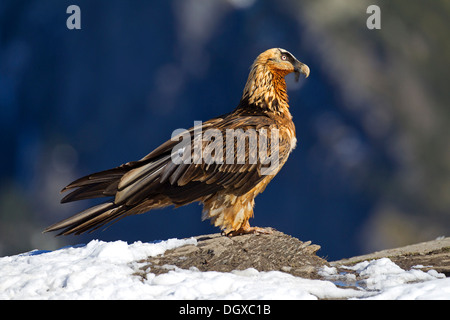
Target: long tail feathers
[[102, 184], [101, 181], [89, 219]]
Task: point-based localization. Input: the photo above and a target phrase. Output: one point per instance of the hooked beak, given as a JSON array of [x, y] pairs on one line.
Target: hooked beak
[[300, 67]]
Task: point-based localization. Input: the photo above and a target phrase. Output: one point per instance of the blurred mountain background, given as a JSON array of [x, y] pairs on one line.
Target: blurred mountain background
[[372, 166]]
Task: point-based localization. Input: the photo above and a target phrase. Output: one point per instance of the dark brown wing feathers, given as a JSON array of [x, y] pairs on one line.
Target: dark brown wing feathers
[[135, 182]]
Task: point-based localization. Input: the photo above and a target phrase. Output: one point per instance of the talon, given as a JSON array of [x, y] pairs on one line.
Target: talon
[[246, 229]]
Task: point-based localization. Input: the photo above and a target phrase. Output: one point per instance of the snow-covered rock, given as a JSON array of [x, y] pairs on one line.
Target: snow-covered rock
[[107, 270]]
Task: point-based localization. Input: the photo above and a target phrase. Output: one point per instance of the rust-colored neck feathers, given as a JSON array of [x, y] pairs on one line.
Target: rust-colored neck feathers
[[266, 88]]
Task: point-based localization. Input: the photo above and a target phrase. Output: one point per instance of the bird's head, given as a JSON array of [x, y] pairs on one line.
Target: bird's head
[[282, 62], [266, 86]]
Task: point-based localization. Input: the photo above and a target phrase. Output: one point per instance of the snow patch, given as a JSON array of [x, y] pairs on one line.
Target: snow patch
[[105, 270]]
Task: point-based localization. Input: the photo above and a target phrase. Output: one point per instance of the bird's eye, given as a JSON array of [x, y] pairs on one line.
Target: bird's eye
[[283, 57]]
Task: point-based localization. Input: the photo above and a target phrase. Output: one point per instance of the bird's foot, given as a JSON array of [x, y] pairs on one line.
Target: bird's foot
[[246, 229]]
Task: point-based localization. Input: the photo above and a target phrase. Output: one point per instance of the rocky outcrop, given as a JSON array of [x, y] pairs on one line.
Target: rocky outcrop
[[281, 252], [429, 255], [264, 252]]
